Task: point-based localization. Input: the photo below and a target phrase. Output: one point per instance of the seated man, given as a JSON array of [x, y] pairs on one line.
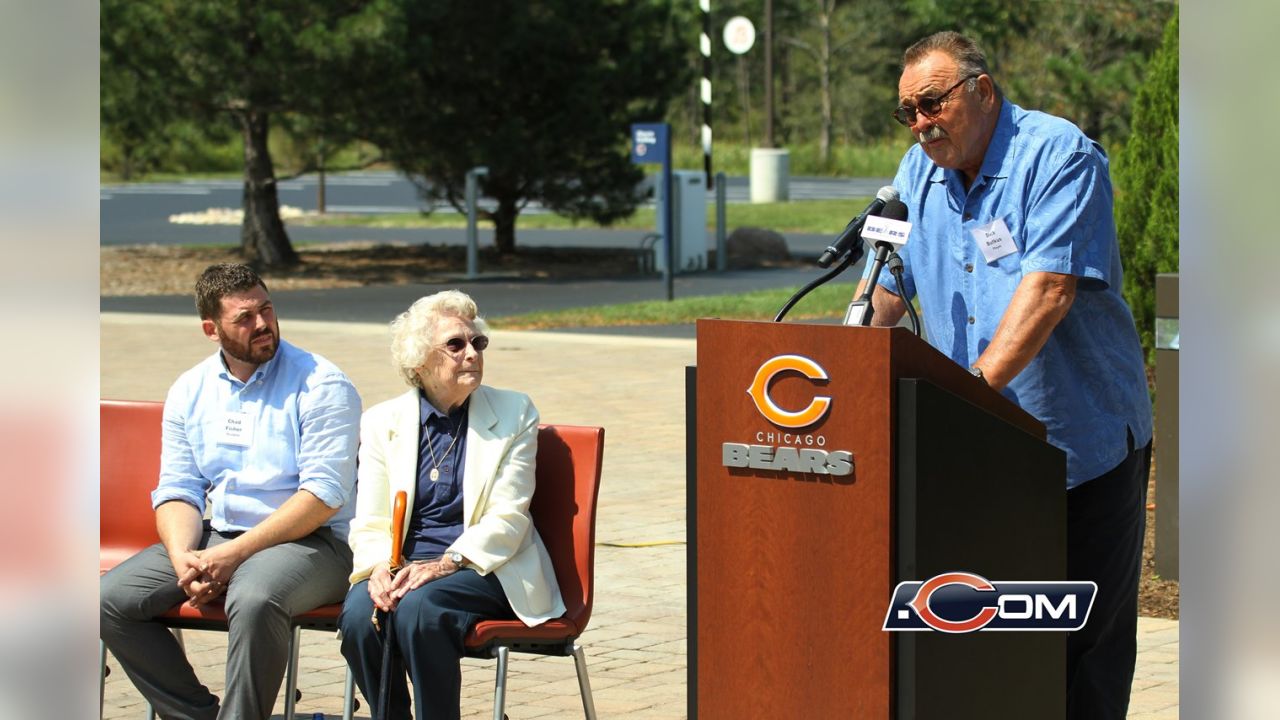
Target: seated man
[[266, 433]]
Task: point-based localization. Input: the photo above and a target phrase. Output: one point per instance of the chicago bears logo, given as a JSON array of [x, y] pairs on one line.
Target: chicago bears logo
[[962, 602], [759, 392]]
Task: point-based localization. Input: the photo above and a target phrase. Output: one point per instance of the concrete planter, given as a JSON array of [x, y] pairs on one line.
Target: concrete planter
[[770, 175]]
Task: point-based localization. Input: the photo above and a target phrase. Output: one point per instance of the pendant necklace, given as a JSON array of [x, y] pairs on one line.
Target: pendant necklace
[[435, 472]]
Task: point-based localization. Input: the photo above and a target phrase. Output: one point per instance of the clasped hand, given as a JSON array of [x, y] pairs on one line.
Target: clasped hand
[[204, 574], [386, 590]]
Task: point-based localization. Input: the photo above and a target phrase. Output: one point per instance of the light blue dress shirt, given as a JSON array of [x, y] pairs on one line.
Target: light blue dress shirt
[[1050, 185], [305, 418]]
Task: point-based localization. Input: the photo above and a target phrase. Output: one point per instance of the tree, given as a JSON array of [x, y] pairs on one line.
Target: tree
[[853, 47], [209, 60], [1084, 61], [821, 53], [1146, 175], [995, 24], [136, 115], [542, 92], [313, 142]]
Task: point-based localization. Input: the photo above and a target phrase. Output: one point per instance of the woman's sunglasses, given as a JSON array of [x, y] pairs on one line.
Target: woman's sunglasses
[[455, 345]]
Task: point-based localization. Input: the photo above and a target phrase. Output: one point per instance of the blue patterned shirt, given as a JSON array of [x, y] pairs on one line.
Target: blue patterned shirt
[[301, 418], [1050, 185]]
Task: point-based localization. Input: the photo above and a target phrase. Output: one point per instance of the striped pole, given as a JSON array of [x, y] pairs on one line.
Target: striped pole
[[705, 45]]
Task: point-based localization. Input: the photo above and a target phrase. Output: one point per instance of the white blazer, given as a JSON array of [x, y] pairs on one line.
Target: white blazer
[[498, 534]]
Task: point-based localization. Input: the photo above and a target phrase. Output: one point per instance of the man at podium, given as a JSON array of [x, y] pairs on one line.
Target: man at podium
[[1014, 260]]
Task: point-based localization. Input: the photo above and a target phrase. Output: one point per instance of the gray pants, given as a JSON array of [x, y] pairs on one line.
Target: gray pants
[[265, 592]]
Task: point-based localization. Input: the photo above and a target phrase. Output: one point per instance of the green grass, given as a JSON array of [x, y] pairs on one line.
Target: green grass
[[878, 158], [823, 217], [828, 301], [108, 177], [801, 216]]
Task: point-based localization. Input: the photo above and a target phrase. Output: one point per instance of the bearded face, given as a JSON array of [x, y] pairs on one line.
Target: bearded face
[[246, 330], [258, 348]]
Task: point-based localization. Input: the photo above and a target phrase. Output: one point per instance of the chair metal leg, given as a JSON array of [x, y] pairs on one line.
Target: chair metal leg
[[500, 684], [349, 696], [291, 674], [584, 683]]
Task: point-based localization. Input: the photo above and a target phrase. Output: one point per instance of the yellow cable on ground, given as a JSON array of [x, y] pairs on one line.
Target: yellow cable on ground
[[652, 543]]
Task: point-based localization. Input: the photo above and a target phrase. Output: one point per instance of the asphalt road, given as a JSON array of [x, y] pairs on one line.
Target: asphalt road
[[139, 213]]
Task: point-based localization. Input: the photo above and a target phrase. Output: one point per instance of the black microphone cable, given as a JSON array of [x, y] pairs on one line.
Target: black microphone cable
[[848, 260], [895, 268]]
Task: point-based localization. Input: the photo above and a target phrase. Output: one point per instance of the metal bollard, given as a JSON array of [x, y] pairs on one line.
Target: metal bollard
[[473, 240], [722, 245]]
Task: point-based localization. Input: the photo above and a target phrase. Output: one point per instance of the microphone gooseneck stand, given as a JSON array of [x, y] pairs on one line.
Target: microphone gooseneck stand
[[849, 259], [868, 309]]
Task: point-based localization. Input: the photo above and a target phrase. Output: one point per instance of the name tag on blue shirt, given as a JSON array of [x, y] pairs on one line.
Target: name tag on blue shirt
[[995, 240], [236, 428]]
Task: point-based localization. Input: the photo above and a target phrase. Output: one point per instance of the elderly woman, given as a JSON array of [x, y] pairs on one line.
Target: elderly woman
[[464, 453]]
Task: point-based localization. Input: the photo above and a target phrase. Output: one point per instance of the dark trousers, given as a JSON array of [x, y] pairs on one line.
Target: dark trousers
[[1106, 521], [429, 626]]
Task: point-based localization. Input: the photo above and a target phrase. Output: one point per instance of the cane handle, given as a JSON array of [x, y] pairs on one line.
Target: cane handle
[[397, 529]]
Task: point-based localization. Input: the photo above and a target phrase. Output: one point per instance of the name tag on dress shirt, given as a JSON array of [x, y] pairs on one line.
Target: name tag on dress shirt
[[995, 240], [235, 428]]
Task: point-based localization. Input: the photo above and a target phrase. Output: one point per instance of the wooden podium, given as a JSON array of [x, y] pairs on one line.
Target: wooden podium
[[791, 569]]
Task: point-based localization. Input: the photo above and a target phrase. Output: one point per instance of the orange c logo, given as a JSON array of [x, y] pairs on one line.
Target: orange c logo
[[920, 603], [759, 391]]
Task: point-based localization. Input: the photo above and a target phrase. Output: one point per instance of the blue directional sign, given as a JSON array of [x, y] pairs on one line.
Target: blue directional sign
[[649, 143]]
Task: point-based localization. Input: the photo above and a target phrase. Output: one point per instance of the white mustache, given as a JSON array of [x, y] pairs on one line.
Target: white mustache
[[933, 133]]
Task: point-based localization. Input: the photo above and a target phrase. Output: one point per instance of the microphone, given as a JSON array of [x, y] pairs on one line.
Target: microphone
[[861, 310], [851, 234], [894, 209]]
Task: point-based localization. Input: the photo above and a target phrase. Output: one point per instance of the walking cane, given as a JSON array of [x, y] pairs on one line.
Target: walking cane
[[383, 623]]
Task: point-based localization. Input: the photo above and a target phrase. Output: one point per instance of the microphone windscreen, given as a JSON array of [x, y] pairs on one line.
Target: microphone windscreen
[[887, 193], [894, 210]]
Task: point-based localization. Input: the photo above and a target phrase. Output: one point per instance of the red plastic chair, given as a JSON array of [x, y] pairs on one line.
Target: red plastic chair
[[564, 512], [129, 468]]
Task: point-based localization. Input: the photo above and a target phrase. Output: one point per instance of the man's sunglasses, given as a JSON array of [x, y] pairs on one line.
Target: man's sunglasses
[[927, 106], [455, 345]]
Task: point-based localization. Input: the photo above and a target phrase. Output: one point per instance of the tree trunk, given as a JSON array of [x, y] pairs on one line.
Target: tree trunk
[[787, 92], [768, 75], [745, 81], [263, 241], [126, 161], [824, 72], [504, 225], [321, 200]]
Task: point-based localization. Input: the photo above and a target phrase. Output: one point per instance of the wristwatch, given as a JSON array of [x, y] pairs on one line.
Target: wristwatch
[[456, 558], [976, 371]]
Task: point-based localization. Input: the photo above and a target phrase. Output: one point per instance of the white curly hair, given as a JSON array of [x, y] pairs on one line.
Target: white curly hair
[[413, 330]]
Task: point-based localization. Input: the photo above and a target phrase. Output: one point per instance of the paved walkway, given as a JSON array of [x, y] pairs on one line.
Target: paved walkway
[[631, 385]]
